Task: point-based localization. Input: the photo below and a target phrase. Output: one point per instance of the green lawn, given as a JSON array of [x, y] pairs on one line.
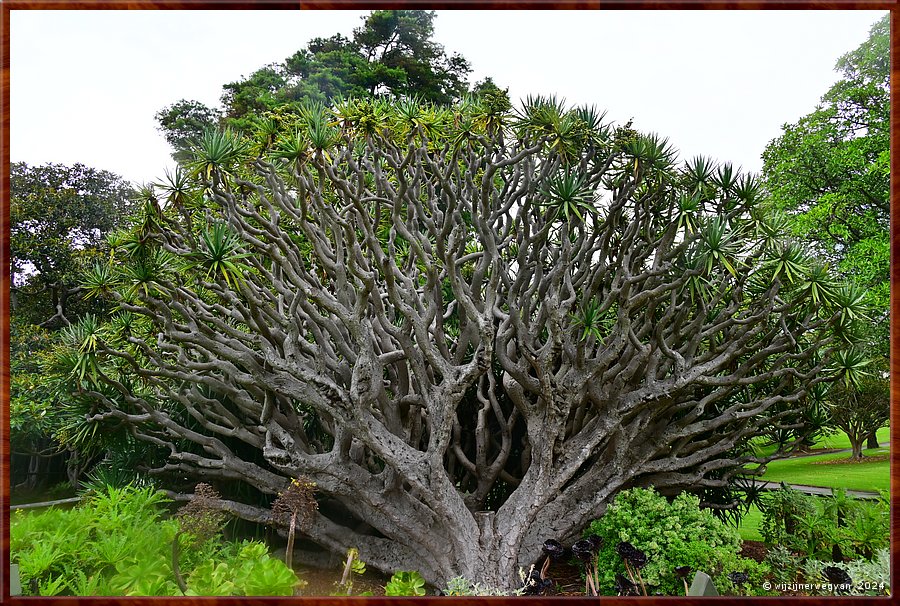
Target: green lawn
[[749, 525], [838, 440], [872, 476]]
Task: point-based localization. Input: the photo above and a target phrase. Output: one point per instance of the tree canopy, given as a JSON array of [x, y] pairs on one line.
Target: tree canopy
[[469, 326], [59, 218], [830, 171], [392, 54]]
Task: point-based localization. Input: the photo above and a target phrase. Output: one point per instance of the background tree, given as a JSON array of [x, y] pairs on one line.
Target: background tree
[[391, 54], [831, 172], [59, 218], [860, 411], [183, 123], [469, 328]]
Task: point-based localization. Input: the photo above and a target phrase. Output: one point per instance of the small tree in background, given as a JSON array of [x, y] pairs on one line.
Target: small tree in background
[[860, 411]]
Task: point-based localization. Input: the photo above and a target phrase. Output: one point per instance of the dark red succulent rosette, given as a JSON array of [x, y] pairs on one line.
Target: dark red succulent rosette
[[553, 549], [595, 541], [583, 550], [837, 576], [682, 572], [631, 554], [624, 586]]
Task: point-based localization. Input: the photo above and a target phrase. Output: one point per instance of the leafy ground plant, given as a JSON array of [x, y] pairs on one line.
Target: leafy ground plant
[[670, 536], [90, 551], [405, 583]]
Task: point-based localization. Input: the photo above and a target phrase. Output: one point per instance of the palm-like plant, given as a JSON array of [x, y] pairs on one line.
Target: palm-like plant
[[83, 339], [146, 273], [725, 177], [747, 189], [849, 366], [569, 197], [788, 262], [293, 149], [719, 244], [818, 285], [178, 189], [687, 213], [649, 151], [770, 226], [220, 254], [321, 134], [698, 172], [265, 131], [850, 301], [98, 281], [590, 321], [217, 153]]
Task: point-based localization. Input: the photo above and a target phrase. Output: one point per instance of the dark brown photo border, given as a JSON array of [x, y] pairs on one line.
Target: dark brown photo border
[[8, 5]]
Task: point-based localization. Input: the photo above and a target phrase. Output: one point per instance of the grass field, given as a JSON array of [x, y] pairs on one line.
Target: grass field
[[835, 441], [871, 476], [749, 526]]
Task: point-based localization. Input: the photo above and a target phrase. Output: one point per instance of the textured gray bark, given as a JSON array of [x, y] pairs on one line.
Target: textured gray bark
[[404, 337]]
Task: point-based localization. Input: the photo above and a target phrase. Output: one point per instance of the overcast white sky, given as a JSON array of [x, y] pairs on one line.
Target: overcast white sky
[[86, 84]]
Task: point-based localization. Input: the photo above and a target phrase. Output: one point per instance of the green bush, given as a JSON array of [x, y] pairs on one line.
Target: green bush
[[671, 534], [815, 526], [783, 564], [117, 543]]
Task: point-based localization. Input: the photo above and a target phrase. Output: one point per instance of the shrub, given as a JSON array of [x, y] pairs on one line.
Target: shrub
[[671, 534], [91, 550], [825, 527], [781, 511], [783, 564]]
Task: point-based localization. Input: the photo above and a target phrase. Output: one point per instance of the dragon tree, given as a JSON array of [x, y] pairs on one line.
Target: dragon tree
[[469, 326]]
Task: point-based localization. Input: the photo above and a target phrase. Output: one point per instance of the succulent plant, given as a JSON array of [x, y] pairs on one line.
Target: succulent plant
[[625, 549], [682, 572], [200, 518], [738, 578], [836, 575], [636, 558], [631, 554], [553, 549], [624, 586], [583, 550], [595, 541]]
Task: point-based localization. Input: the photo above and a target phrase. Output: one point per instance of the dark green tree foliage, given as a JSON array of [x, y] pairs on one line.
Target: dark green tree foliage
[[183, 123], [59, 217], [831, 172], [860, 411], [405, 61], [392, 54]]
